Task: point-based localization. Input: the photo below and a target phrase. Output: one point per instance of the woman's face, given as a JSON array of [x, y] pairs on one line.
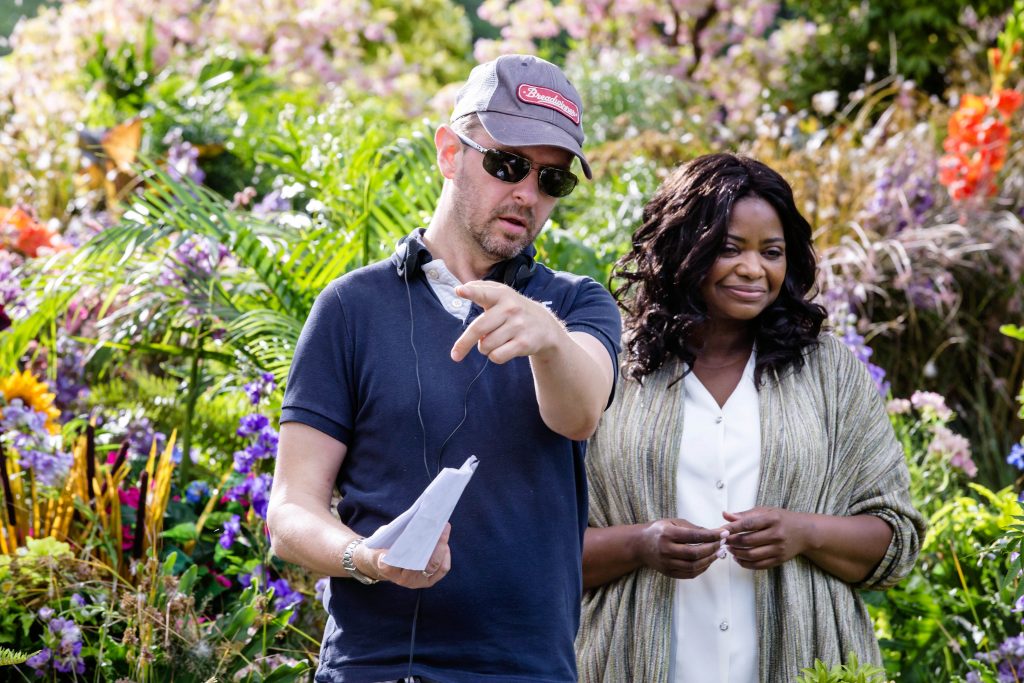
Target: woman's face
[[751, 267]]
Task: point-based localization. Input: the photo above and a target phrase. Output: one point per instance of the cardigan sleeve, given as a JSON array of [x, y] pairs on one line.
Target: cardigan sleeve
[[878, 467]]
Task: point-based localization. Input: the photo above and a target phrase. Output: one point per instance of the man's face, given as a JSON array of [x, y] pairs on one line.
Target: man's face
[[502, 218]]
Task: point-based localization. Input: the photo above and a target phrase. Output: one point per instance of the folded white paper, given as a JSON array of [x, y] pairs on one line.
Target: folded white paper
[[412, 536]]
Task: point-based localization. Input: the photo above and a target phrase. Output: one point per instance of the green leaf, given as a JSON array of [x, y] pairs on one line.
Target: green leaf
[[182, 533], [10, 657], [1013, 331]]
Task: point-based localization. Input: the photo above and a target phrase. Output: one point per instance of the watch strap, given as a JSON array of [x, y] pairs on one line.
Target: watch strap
[[349, 565]]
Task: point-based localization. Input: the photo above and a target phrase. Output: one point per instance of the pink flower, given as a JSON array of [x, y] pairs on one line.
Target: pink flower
[[129, 497], [955, 447], [930, 402], [898, 406]]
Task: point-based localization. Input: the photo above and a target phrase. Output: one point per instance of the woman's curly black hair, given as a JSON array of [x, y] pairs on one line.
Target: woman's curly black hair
[[684, 228]]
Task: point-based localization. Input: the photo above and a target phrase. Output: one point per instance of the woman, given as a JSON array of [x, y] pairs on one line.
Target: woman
[[747, 481]]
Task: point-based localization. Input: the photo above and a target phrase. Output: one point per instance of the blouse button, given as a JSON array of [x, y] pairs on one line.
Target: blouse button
[[719, 484], [724, 626], [718, 420]]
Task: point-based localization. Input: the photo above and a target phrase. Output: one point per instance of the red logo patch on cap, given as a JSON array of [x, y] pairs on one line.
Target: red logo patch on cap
[[552, 99]]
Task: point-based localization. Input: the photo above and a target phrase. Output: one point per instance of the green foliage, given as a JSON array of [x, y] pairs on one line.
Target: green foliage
[[857, 39], [957, 600], [124, 74], [923, 432], [432, 35], [143, 393], [10, 657], [850, 672], [591, 228]]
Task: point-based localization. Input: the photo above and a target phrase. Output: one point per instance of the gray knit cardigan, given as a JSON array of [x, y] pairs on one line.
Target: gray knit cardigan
[[827, 447]]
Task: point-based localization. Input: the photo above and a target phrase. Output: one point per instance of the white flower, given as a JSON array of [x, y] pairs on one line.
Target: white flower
[[825, 102]]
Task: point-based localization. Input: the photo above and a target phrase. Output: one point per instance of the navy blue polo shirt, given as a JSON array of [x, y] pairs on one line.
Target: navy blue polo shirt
[[509, 609]]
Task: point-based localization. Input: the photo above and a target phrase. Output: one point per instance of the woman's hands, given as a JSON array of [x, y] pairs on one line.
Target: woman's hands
[[760, 538], [674, 547], [677, 548], [765, 537], [848, 547]]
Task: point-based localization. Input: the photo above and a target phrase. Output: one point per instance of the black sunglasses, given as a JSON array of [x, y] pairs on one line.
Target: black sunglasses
[[512, 168]]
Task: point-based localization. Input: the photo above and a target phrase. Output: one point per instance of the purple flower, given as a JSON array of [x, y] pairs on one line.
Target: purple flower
[[11, 295], [70, 387], [848, 334], [1008, 659], [243, 461], [63, 647], [321, 587], [77, 600], [232, 528], [263, 446], [255, 489], [272, 202], [284, 596], [260, 387], [39, 660], [1016, 456], [252, 424], [258, 575], [45, 614], [25, 430]]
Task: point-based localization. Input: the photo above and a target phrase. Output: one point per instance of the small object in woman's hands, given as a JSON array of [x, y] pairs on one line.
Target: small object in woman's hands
[[722, 553]]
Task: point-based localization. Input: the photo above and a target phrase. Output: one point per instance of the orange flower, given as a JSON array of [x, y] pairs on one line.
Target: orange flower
[[37, 236], [23, 232], [979, 136], [15, 218]]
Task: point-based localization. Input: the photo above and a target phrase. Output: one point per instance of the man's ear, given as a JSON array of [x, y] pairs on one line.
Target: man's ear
[[448, 147]]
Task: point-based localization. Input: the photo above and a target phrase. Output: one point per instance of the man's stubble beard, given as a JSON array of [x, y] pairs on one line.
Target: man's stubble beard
[[493, 242]]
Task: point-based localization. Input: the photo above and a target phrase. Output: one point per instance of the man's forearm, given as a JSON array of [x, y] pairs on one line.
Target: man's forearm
[[313, 540], [572, 385]]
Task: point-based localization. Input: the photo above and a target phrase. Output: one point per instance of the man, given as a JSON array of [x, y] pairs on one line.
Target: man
[[386, 389]]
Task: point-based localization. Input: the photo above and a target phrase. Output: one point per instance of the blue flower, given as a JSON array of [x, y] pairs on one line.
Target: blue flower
[[1016, 456], [196, 491]]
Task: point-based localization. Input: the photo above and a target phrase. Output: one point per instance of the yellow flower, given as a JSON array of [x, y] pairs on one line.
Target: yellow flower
[[34, 394]]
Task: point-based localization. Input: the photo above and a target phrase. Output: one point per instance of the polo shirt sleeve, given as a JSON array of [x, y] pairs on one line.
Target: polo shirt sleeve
[[319, 392], [595, 312]]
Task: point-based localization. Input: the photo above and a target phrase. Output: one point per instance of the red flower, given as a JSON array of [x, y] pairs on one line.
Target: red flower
[[1008, 101]]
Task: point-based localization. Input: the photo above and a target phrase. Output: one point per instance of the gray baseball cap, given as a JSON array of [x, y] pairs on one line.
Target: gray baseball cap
[[524, 101]]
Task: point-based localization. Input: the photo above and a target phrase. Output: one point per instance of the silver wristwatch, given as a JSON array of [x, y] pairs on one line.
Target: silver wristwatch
[[349, 565]]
